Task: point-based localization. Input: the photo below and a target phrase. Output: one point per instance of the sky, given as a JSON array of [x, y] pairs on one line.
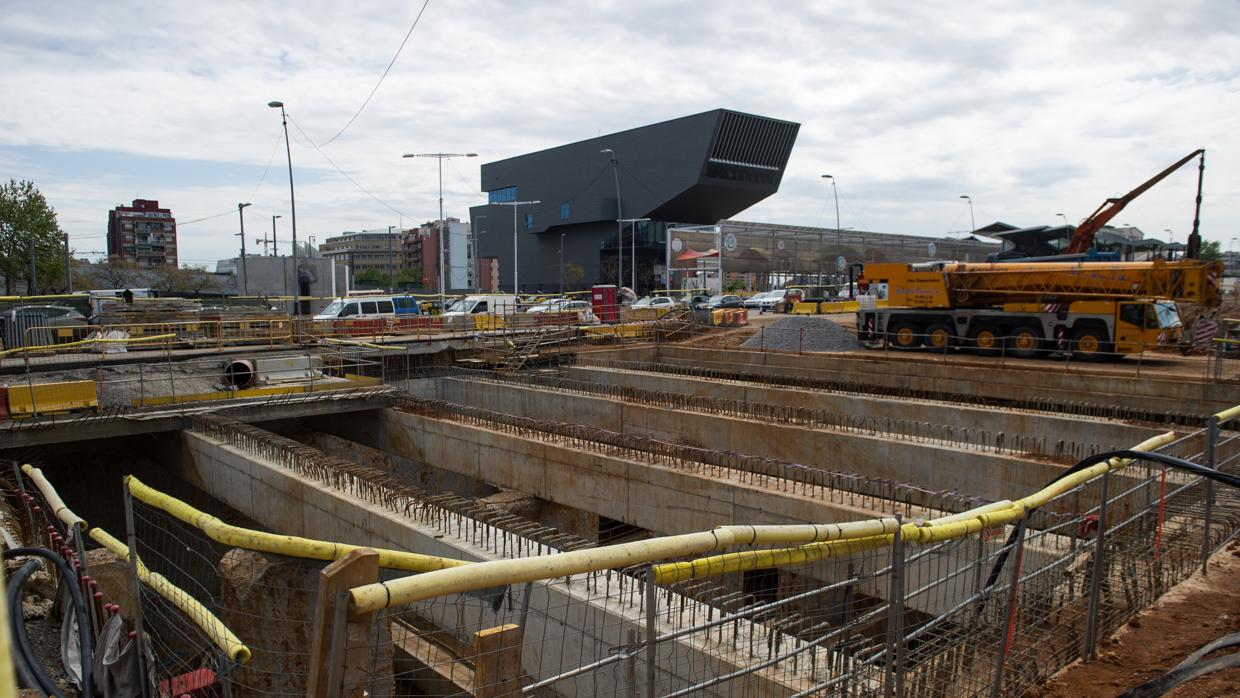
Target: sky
[[1031, 109]]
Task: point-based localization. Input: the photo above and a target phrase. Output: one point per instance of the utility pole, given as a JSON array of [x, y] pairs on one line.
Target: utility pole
[[391, 268], [245, 276], [68, 264], [33, 281]]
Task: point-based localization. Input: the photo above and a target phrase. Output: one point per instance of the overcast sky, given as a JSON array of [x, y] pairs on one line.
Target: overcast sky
[[1032, 109]]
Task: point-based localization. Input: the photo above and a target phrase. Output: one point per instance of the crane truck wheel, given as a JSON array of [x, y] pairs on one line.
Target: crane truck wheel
[[939, 336], [1025, 341], [1090, 344], [904, 335], [986, 340]]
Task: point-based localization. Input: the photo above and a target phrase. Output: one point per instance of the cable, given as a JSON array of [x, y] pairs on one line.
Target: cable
[[381, 77], [275, 148], [29, 668], [30, 671], [69, 577], [1169, 461], [207, 218], [342, 172], [1189, 669]]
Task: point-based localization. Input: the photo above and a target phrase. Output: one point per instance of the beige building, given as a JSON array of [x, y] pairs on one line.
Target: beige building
[[377, 250]]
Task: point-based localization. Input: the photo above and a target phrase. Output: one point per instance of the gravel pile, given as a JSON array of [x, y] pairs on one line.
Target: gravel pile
[[804, 332]]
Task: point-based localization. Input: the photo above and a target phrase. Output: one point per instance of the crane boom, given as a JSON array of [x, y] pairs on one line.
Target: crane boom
[[1083, 238]]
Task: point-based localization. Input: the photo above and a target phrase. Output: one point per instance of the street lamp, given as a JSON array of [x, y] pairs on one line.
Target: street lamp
[[1065, 218], [972, 222], [245, 277], [633, 250], [441, 157], [274, 247], [615, 173], [292, 202], [836, 194], [514, 205]]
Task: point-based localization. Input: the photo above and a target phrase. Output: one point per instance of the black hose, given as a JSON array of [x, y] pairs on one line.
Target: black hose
[[1189, 669], [1169, 461], [27, 663], [79, 606]]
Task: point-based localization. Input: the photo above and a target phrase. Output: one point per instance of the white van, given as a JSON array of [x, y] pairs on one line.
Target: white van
[[369, 307], [490, 304]]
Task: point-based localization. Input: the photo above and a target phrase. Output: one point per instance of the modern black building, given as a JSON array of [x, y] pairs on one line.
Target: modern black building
[[695, 170]]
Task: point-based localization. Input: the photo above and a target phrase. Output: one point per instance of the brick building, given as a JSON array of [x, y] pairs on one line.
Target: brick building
[[143, 232]]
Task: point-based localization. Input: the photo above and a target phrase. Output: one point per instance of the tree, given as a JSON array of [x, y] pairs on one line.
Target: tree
[[117, 272], [27, 222], [372, 277], [573, 274], [1211, 251], [411, 276]]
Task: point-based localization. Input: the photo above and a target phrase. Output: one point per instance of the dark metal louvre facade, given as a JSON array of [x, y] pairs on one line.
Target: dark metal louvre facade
[[750, 148]]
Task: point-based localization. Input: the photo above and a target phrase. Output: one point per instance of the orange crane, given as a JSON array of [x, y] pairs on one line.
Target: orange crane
[[1083, 238], [1091, 309]]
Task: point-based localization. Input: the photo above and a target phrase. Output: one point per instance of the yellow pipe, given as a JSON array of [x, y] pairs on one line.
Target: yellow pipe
[[52, 498], [368, 345], [219, 633], [1228, 414], [483, 575], [292, 546], [79, 343]]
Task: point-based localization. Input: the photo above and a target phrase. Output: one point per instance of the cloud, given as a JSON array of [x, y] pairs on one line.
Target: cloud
[[1031, 109]]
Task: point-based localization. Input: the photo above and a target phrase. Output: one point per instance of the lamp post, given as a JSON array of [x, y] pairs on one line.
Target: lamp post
[[245, 277], [1065, 218], [633, 251], [1170, 241], [836, 195], [275, 247], [514, 204], [472, 257], [441, 157], [562, 263], [615, 173], [972, 222], [292, 202]]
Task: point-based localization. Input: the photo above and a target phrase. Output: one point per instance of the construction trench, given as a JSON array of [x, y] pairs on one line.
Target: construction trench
[[627, 446]]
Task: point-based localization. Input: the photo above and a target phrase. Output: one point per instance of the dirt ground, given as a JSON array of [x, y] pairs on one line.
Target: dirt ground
[[1192, 614]]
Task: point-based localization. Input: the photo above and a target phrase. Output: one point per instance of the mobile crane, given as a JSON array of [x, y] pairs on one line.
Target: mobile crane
[[1090, 309]]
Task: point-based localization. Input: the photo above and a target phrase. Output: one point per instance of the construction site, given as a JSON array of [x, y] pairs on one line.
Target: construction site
[[684, 504]]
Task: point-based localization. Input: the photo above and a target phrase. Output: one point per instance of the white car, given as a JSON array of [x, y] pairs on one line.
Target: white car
[[764, 301], [655, 302], [550, 306]]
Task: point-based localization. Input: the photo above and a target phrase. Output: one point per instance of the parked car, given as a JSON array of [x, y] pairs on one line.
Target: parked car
[[725, 302], [548, 306], [655, 302], [764, 301], [698, 302]]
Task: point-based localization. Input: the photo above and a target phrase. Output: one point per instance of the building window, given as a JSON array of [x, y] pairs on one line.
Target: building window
[[502, 195], [529, 221], [564, 211]]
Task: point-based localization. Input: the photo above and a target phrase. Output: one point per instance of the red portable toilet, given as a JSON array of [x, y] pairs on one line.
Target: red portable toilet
[[605, 303]]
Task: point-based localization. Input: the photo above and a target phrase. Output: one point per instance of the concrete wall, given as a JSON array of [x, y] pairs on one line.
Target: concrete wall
[[1082, 430], [940, 468], [568, 624], [1174, 395]]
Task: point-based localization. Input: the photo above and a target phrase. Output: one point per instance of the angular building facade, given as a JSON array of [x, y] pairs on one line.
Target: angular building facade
[[695, 170]]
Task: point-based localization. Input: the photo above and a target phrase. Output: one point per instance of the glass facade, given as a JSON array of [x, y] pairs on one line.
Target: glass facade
[[564, 211], [501, 195]]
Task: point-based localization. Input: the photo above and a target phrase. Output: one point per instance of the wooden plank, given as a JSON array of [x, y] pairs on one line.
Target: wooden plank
[[358, 567], [497, 662]]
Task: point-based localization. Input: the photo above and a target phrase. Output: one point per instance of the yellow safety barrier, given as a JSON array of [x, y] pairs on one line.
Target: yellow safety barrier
[[51, 398], [818, 542], [215, 629], [630, 330], [292, 546], [368, 345]]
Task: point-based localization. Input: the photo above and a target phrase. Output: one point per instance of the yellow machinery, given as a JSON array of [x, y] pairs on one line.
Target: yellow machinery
[[1092, 309]]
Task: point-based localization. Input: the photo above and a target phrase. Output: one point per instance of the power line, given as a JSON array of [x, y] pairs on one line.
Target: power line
[[377, 84], [206, 218], [270, 158], [343, 173]]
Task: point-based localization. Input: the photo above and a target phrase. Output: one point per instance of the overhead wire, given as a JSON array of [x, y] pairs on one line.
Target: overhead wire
[[343, 173], [377, 84]]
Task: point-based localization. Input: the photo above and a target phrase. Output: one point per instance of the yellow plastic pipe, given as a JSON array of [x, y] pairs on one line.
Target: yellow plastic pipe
[[1228, 414], [52, 498], [292, 546], [483, 575], [214, 628], [66, 345]]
